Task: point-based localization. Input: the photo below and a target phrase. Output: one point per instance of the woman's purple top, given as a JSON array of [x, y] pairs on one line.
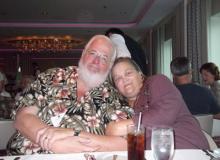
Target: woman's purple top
[[162, 104]]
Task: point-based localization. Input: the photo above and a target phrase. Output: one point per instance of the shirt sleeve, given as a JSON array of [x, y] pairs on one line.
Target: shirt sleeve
[[162, 105], [118, 107], [35, 95], [214, 106], [217, 91]]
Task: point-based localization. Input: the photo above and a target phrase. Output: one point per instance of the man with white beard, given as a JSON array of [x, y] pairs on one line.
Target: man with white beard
[[67, 109]]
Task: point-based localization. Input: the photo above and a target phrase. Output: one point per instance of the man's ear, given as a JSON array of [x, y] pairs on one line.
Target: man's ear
[[83, 52]]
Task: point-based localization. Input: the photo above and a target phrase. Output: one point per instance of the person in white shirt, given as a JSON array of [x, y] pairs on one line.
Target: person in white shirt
[[121, 48]]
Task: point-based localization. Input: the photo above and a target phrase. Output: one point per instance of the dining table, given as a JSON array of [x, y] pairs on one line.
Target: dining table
[[179, 154]]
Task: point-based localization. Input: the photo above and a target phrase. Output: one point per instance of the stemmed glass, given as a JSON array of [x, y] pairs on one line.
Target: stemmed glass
[[162, 143]]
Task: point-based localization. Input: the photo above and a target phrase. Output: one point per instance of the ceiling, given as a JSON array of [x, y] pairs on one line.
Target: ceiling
[[79, 18]]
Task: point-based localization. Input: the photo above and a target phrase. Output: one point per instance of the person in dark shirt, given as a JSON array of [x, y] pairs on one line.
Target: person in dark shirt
[[199, 99], [205, 98], [137, 53]]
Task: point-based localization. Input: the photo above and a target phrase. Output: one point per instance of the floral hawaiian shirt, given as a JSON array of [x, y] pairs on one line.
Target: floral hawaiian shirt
[[54, 93]]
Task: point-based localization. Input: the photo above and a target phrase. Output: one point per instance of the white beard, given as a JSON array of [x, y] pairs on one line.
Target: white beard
[[91, 79]]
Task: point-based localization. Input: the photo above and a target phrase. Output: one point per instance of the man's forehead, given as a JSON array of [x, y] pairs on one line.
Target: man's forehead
[[101, 40], [100, 46]]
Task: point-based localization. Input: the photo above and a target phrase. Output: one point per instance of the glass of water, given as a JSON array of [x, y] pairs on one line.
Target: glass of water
[[162, 143]]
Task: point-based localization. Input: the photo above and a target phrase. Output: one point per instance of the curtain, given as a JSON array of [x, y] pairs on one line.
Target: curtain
[[154, 51], [194, 37], [179, 31]]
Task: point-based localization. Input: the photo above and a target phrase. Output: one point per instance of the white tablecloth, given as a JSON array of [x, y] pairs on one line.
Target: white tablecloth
[[122, 155]]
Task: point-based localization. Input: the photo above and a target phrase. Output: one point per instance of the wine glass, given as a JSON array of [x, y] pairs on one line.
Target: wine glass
[[162, 143]]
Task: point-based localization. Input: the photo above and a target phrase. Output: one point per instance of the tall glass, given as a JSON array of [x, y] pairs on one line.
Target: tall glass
[[136, 142], [162, 143]]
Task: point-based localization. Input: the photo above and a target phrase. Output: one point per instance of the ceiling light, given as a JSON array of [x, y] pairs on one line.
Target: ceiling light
[[45, 43]]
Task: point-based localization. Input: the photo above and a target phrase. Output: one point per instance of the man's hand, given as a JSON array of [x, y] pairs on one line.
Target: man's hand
[[73, 144], [48, 135]]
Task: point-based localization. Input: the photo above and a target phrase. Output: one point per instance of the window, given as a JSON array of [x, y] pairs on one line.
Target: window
[[213, 12], [164, 54], [166, 58], [214, 34]]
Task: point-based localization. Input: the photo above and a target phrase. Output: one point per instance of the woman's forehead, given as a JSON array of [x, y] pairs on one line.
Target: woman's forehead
[[123, 66]]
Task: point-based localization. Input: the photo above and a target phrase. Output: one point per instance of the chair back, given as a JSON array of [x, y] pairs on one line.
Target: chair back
[[206, 122], [216, 128], [212, 144], [6, 131]]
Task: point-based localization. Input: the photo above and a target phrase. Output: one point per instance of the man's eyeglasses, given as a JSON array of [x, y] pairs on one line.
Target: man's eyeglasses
[[104, 59]]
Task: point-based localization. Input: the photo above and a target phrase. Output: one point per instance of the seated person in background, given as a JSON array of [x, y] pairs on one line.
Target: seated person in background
[[160, 103], [3, 82], [135, 49], [198, 99], [25, 82], [5, 98], [67, 109], [211, 76]]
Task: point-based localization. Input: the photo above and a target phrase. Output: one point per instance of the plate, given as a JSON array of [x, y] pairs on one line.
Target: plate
[[110, 157]]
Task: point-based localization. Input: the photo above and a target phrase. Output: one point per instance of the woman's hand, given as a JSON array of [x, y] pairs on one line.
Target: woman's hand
[[48, 135], [118, 128]]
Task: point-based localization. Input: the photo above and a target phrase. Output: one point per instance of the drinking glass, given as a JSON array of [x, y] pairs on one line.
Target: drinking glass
[[136, 142], [162, 143]]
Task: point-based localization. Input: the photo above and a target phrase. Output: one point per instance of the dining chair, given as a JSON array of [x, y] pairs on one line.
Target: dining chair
[[6, 131], [206, 122], [216, 128], [212, 144]]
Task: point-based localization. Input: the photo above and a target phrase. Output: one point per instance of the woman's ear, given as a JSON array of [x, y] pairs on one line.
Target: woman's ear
[[142, 76]]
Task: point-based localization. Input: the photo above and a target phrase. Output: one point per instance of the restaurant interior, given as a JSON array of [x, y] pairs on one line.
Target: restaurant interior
[[47, 34]]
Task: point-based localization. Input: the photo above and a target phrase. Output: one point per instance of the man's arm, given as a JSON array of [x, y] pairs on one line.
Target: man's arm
[[93, 143], [35, 130], [105, 143], [87, 142], [113, 140], [27, 122], [31, 127]]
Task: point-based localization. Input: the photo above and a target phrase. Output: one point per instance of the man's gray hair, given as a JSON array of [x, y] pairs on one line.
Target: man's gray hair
[[110, 42], [180, 66]]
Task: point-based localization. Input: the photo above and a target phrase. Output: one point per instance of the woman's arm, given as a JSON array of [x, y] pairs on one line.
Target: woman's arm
[[162, 105], [118, 128]]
